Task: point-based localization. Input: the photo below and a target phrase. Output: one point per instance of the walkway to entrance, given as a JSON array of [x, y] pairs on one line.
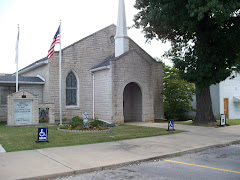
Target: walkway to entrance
[[132, 103]]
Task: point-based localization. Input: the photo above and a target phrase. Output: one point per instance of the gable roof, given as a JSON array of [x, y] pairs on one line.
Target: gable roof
[[103, 65], [10, 79], [44, 60], [34, 65], [88, 36], [106, 63]]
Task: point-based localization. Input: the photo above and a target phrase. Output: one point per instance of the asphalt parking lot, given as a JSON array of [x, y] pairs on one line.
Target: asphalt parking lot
[[213, 164]]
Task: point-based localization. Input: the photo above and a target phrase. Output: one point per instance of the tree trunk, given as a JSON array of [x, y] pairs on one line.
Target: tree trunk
[[204, 114]]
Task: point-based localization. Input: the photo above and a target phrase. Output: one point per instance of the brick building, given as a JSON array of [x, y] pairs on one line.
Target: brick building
[[105, 74]]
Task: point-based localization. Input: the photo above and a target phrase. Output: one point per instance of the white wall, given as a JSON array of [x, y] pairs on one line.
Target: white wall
[[228, 89], [214, 90], [103, 94], [215, 97], [225, 89]]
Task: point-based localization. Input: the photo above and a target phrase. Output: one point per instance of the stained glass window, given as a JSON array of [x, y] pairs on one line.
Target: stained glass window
[[71, 89]]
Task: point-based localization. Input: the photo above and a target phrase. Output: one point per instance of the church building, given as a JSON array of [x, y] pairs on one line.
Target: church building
[[105, 74]]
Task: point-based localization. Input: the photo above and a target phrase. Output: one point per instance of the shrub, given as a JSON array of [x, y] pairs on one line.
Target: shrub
[[76, 121], [64, 127], [97, 123], [77, 124]]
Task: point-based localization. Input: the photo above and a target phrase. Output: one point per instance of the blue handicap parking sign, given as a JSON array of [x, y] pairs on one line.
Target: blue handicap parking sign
[[42, 135], [170, 125]]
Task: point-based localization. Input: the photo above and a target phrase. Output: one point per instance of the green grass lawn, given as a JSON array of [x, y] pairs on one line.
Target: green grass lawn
[[231, 122], [23, 138]]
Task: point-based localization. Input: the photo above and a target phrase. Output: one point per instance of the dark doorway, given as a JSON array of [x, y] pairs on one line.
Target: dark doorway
[[132, 103]]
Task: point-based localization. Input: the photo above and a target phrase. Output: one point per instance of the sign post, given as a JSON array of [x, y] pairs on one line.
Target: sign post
[[171, 125], [223, 120], [42, 135]]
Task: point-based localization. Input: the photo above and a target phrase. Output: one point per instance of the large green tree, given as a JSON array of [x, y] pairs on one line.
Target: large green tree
[[205, 38]]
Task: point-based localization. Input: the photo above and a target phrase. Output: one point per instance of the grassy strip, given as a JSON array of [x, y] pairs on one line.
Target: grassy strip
[[231, 122], [23, 138]]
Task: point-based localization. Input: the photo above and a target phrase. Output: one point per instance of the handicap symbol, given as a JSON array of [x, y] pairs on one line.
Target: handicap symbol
[[42, 133], [170, 126]]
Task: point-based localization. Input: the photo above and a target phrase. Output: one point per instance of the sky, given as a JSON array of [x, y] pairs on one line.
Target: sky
[[39, 19]]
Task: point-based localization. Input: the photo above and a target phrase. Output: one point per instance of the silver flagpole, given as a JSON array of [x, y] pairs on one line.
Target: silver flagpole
[[60, 75], [16, 60]]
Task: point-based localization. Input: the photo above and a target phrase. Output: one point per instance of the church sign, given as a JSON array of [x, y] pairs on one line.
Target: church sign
[[22, 112], [23, 109]]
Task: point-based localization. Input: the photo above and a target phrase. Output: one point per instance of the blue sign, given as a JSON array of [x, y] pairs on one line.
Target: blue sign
[[42, 135], [171, 125]]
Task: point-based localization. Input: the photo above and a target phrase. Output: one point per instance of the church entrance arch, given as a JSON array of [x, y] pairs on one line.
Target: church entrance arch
[[132, 102]]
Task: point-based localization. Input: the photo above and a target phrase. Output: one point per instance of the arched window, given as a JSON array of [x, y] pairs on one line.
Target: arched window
[[71, 90]]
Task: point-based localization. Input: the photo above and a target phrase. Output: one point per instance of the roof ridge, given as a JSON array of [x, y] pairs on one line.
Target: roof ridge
[[45, 58], [38, 61], [106, 62], [87, 37], [22, 79]]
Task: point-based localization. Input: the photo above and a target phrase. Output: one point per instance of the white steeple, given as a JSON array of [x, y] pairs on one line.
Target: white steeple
[[121, 38]]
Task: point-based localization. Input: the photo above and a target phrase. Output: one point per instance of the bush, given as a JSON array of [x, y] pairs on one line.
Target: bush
[[77, 124], [97, 123], [76, 121]]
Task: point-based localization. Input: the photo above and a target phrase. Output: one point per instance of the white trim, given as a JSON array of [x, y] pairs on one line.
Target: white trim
[[72, 107], [78, 94], [20, 82], [100, 68], [93, 91], [41, 77], [33, 67], [236, 99]]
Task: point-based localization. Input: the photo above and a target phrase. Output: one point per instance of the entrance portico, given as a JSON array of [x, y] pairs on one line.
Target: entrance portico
[[132, 103]]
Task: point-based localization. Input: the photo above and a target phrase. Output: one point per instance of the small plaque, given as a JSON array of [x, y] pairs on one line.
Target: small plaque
[[42, 135], [22, 112]]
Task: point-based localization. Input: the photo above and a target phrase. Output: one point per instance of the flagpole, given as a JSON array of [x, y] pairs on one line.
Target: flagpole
[[60, 75], [16, 61]]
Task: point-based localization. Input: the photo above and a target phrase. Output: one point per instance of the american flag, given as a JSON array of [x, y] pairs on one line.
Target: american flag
[[56, 40]]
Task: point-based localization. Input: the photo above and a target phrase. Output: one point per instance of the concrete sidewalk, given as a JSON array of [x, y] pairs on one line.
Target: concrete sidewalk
[[55, 162]]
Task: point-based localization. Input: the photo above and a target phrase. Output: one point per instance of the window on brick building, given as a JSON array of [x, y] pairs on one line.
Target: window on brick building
[[4, 92], [71, 89]]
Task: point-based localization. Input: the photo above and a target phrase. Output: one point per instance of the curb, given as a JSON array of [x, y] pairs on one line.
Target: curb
[[115, 166], [84, 131]]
